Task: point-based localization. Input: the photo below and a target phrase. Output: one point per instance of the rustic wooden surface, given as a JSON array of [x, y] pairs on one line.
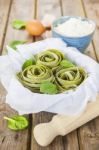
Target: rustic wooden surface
[[87, 136]]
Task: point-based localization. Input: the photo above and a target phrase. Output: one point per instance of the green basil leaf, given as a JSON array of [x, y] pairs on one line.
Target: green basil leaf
[[66, 64], [13, 44], [28, 63], [48, 88], [18, 24], [17, 122]]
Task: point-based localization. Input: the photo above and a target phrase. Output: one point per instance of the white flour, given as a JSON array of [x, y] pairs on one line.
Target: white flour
[[75, 27]]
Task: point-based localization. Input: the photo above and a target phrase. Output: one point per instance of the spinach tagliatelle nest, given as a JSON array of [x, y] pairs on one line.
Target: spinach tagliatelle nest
[[51, 73]]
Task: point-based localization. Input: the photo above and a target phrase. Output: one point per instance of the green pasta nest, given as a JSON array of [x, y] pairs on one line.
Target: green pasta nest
[[51, 72]]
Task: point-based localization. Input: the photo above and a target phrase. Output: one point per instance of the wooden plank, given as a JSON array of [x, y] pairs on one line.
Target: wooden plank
[[60, 143], [72, 8], [4, 12], [9, 139], [48, 7], [89, 133], [22, 10], [92, 11]]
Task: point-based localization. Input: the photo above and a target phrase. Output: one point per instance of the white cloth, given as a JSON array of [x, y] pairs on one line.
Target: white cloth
[[25, 101]]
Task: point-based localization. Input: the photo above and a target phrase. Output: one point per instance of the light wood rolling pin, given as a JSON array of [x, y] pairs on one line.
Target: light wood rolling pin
[[44, 133]]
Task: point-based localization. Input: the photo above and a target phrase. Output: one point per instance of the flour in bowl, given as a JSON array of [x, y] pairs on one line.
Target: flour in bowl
[[75, 27]]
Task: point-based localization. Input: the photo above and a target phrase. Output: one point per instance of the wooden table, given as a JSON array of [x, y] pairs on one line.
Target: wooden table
[[87, 136]]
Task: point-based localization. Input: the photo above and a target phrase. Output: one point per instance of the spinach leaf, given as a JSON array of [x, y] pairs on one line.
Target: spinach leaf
[[17, 122], [48, 88], [13, 44], [18, 24], [66, 64], [28, 63]]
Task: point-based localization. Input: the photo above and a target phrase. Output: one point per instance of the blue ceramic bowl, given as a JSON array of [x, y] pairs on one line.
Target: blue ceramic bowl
[[81, 43]]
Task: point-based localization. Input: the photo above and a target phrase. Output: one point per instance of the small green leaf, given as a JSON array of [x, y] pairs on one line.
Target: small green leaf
[[66, 64], [27, 63], [13, 44], [18, 24], [17, 122], [48, 88]]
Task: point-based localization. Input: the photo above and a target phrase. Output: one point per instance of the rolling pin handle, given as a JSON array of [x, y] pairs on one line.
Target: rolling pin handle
[[49, 132]]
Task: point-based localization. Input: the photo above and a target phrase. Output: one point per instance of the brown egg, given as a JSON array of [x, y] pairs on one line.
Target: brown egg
[[35, 28]]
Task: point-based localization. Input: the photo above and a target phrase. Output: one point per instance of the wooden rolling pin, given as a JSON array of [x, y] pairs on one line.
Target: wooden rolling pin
[[44, 133]]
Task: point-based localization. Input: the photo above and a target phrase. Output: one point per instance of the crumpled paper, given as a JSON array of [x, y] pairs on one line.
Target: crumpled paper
[[25, 101]]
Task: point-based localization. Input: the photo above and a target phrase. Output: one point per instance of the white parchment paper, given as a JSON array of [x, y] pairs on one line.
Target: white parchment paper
[[25, 101]]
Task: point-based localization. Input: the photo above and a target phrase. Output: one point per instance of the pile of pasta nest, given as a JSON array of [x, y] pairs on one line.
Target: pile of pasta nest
[[51, 72]]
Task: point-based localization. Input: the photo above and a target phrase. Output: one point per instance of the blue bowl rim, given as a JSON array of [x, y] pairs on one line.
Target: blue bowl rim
[[74, 37]]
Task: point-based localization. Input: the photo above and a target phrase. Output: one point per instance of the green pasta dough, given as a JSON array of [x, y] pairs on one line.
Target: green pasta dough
[[51, 69], [69, 78], [50, 58], [32, 76]]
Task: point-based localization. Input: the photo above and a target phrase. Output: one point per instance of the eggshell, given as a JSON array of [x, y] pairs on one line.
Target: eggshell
[[35, 28]]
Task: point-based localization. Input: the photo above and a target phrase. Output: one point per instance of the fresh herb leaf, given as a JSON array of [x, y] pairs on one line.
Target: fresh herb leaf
[[13, 44], [48, 88], [66, 64], [18, 24], [17, 122], [27, 63]]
